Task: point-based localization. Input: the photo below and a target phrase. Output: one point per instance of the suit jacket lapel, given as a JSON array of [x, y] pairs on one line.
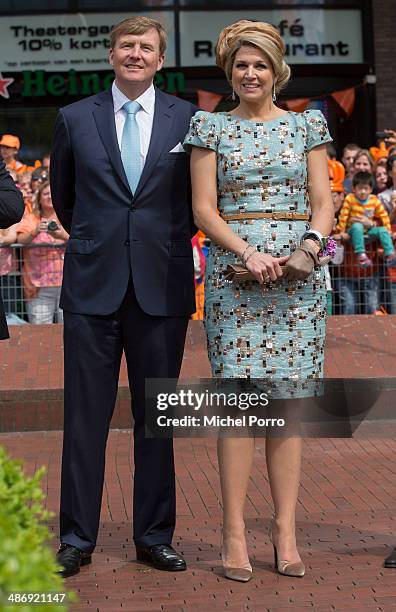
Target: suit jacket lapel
[[162, 124], [105, 123]]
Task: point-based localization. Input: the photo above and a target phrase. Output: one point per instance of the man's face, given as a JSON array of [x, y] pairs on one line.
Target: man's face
[[348, 159], [46, 162], [136, 58], [7, 153]]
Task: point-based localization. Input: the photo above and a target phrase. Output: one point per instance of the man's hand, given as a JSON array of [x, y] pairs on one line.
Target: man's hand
[[391, 139]]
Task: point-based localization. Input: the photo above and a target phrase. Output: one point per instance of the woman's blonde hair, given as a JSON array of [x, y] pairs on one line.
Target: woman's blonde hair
[[258, 34], [37, 197]]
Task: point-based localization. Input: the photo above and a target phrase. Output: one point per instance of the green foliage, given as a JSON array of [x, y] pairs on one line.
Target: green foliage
[[27, 565]]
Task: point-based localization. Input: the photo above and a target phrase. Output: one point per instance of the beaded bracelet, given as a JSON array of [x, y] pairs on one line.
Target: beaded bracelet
[[249, 256], [249, 246], [243, 257]]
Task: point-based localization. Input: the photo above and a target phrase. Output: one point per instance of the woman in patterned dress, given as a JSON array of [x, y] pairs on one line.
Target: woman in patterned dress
[[260, 159]]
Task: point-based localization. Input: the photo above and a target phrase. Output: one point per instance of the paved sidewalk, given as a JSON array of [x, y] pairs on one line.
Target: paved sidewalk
[[31, 364], [346, 526]]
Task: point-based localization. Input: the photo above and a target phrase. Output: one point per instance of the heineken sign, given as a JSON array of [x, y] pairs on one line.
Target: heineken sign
[[38, 83]]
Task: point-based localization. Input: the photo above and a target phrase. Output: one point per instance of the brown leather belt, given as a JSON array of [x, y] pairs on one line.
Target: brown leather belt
[[281, 215]]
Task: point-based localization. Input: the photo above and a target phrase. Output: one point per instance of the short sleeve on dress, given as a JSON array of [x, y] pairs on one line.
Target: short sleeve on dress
[[317, 130], [203, 132]]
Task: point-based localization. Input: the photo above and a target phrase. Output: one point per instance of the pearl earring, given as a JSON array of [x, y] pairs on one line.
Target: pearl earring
[[273, 93], [233, 96]]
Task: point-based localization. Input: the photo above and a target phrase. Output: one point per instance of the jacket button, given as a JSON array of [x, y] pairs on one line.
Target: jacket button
[[127, 242]]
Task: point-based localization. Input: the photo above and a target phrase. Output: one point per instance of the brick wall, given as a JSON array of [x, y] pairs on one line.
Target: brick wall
[[384, 22]]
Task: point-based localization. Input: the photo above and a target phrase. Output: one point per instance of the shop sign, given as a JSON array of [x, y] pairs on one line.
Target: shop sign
[[39, 83], [312, 36], [56, 43]]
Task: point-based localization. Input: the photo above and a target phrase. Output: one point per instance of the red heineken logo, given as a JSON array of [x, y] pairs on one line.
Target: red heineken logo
[[4, 84]]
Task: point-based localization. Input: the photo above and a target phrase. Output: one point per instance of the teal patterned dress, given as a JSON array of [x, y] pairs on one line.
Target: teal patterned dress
[[274, 331]]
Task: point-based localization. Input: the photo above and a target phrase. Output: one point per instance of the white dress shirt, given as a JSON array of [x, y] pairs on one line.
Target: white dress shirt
[[144, 117]]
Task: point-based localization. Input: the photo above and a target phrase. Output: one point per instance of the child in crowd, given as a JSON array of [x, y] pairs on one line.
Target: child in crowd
[[359, 213]]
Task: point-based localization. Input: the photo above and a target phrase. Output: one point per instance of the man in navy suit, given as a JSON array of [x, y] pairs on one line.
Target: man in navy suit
[[128, 285], [11, 211]]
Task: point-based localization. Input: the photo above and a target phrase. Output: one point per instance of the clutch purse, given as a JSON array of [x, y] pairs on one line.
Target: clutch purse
[[238, 273]]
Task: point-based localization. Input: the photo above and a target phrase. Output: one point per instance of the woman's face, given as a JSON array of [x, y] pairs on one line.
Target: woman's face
[[46, 200], [252, 75], [338, 199], [25, 187], [381, 177], [362, 164]]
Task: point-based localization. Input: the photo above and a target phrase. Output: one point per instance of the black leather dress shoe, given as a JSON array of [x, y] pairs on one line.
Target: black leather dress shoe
[[390, 561], [162, 557], [71, 559]]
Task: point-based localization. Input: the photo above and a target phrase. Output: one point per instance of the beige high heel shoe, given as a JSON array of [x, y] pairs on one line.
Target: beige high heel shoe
[[286, 568], [241, 574]]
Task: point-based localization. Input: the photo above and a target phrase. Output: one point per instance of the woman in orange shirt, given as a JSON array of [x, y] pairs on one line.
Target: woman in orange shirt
[[43, 266]]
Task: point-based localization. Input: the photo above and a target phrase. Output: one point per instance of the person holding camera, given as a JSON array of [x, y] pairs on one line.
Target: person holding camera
[[11, 211], [42, 265]]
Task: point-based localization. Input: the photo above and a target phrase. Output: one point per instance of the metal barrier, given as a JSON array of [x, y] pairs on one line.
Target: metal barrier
[[30, 280]]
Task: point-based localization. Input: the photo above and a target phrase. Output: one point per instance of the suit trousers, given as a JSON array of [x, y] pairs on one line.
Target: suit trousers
[[93, 346]]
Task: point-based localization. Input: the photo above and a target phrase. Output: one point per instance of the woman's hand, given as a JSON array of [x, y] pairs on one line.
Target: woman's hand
[[302, 261], [42, 226], [263, 266]]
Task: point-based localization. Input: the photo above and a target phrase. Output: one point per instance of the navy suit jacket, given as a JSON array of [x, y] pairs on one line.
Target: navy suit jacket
[[11, 211], [114, 234]]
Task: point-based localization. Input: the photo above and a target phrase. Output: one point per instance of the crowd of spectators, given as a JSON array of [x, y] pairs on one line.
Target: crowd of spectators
[[361, 278], [31, 274], [362, 275]]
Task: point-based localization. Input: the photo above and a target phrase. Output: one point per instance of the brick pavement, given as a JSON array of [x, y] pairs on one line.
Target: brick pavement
[[346, 525], [346, 522], [31, 379]]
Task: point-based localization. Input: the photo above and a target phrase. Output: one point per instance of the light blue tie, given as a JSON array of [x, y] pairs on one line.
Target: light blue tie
[[130, 145]]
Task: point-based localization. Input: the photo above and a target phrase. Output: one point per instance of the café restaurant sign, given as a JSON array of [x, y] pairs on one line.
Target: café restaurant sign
[[312, 36], [80, 42], [62, 42]]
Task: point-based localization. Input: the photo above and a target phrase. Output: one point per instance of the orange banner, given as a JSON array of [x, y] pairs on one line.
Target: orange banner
[[207, 100], [298, 104], [345, 99]]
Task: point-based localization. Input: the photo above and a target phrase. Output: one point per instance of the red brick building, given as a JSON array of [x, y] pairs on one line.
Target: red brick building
[[384, 15]]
